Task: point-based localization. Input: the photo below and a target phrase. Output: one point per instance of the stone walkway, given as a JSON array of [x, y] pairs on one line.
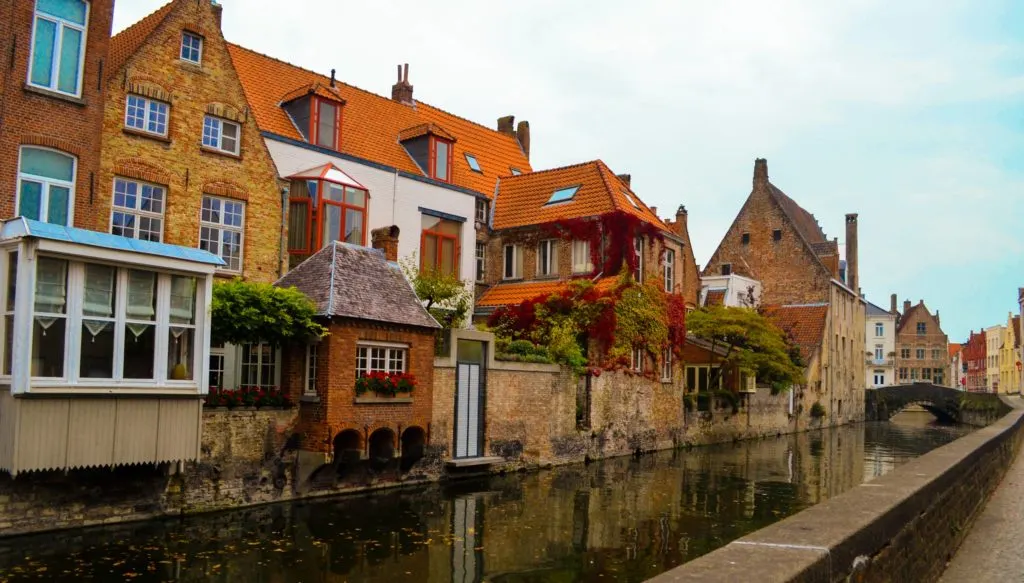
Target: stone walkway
[[994, 549]]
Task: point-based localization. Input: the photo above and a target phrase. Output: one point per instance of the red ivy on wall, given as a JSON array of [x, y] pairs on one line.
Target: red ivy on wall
[[616, 230]]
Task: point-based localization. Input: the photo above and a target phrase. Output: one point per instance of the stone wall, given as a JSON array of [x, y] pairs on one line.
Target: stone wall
[[903, 526]]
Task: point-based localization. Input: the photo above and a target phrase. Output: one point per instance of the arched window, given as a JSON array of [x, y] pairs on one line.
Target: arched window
[[46, 185], [58, 45]]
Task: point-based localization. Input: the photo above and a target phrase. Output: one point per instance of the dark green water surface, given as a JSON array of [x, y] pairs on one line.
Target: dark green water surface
[[618, 520]]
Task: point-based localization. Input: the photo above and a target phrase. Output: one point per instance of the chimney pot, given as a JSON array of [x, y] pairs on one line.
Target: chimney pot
[[906, 307], [654, 210], [523, 135], [892, 304], [625, 178], [760, 172], [332, 77], [401, 91], [386, 239], [506, 124]]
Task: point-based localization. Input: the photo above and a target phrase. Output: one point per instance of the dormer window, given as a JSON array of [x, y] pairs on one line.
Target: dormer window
[[325, 205], [316, 110], [326, 123], [440, 159]]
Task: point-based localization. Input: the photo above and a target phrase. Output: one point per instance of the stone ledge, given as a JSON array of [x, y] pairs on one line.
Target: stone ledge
[[873, 533], [383, 400]]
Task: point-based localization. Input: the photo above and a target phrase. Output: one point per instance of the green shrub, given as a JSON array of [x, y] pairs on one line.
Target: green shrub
[[817, 410]]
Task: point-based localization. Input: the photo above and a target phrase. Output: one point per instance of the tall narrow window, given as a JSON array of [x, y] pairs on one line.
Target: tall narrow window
[[222, 224], [327, 124], [481, 211], [440, 159], [181, 337], [217, 364], [191, 48], [259, 365], [669, 270], [342, 213], [581, 260], [58, 45], [46, 185], [513, 262], [221, 134], [481, 260], [8, 321], [921, 328], [666, 365], [50, 318], [309, 388], [879, 329], [139, 336], [98, 322], [138, 210], [879, 352], [439, 244], [637, 359], [777, 235], [146, 115], [745, 239], [638, 250], [547, 257]]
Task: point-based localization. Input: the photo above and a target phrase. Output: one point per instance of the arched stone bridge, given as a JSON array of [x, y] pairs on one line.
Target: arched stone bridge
[[942, 402]]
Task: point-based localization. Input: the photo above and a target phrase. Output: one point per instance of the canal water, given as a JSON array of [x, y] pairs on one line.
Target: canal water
[[618, 520]]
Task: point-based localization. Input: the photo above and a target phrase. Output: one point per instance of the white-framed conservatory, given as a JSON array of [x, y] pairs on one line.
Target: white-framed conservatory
[[103, 341]]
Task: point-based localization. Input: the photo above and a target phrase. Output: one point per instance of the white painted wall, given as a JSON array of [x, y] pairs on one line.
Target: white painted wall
[[736, 287], [394, 200], [888, 343]]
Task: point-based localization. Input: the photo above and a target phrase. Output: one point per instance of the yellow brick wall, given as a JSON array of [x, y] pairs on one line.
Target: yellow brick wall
[[178, 162]]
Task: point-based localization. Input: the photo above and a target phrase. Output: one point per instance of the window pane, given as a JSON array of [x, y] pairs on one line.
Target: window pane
[[48, 347], [141, 296], [298, 225], [354, 226], [152, 199], [48, 164], [447, 256], [30, 199], [180, 346], [139, 351], [12, 273], [331, 223], [325, 125], [209, 240], [183, 295], [57, 207], [211, 132], [157, 117], [97, 357], [229, 137], [333, 192], [70, 51], [135, 112], [233, 214], [42, 52], [355, 197], [231, 249], [8, 343], [123, 224], [99, 291], [51, 285], [430, 251], [441, 160], [70, 10]]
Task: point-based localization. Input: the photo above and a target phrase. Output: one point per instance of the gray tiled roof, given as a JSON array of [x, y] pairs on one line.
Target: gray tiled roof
[[873, 310], [352, 281]]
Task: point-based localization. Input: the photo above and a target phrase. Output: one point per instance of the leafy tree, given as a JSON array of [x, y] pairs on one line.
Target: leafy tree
[[244, 312], [445, 296], [752, 343]]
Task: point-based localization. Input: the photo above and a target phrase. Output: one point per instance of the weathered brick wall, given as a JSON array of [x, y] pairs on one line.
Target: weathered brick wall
[[179, 162], [933, 339], [32, 117]]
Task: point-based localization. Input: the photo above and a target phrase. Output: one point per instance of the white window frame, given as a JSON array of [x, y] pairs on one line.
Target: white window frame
[[312, 358], [879, 329], [879, 378], [259, 364], [219, 227], [481, 260], [636, 359], [666, 365], [6, 256], [481, 211], [214, 139], [879, 352], [44, 197], [150, 110], [696, 376], [516, 262], [365, 357], [547, 268], [581, 262], [181, 47], [74, 316], [57, 49], [137, 212], [669, 270], [638, 251], [218, 352]]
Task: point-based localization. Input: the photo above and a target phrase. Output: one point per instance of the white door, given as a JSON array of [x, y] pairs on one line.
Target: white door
[[467, 410]]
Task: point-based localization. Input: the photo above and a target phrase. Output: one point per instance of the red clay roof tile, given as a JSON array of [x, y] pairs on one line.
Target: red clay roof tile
[[804, 324], [511, 294]]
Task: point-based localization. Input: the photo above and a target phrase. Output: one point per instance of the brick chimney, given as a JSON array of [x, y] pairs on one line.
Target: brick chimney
[[852, 276], [654, 210], [892, 304], [523, 135], [402, 90], [386, 239], [506, 125], [625, 178], [906, 307], [760, 172], [680, 223]]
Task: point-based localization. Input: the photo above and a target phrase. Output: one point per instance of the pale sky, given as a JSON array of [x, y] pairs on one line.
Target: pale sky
[[909, 113]]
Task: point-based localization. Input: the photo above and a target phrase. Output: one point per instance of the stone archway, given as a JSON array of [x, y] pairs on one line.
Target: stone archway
[[348, 447], [381, 447], [414, 442]]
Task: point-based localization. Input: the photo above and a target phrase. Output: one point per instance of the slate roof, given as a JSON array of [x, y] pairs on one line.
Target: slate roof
[[511, 294], [352, 281], [873, 310], [371, 123], [805, 324], [124, 44], [523, 200], [22, 227]]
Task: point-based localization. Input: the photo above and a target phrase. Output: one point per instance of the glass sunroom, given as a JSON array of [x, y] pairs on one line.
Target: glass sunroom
[[113, 334]]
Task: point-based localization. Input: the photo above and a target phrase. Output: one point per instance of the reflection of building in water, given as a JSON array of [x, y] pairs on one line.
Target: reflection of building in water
[[467, 539]]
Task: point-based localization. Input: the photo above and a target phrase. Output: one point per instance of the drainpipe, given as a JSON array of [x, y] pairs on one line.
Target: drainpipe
[[281, 234]]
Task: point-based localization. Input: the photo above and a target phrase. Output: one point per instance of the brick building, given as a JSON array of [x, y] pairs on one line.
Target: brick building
[[922, 348], [1009, 359], [552, 226], [51, 108], [775, 241], [975, 357], [375, 325]]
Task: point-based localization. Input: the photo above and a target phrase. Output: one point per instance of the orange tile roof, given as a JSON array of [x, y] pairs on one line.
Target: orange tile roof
[[371, 123], [124, 44], [804, 324], [511, 294], [953, 349], [522, 200]]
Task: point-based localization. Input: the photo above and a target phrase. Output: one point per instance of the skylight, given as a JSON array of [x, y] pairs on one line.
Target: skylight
[[515, 171], [473, 164], [631, 200], [563, 194]]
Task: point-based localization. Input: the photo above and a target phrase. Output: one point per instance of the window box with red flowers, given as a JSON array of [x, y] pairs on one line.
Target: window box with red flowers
[[380, 386], [247, 398]]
